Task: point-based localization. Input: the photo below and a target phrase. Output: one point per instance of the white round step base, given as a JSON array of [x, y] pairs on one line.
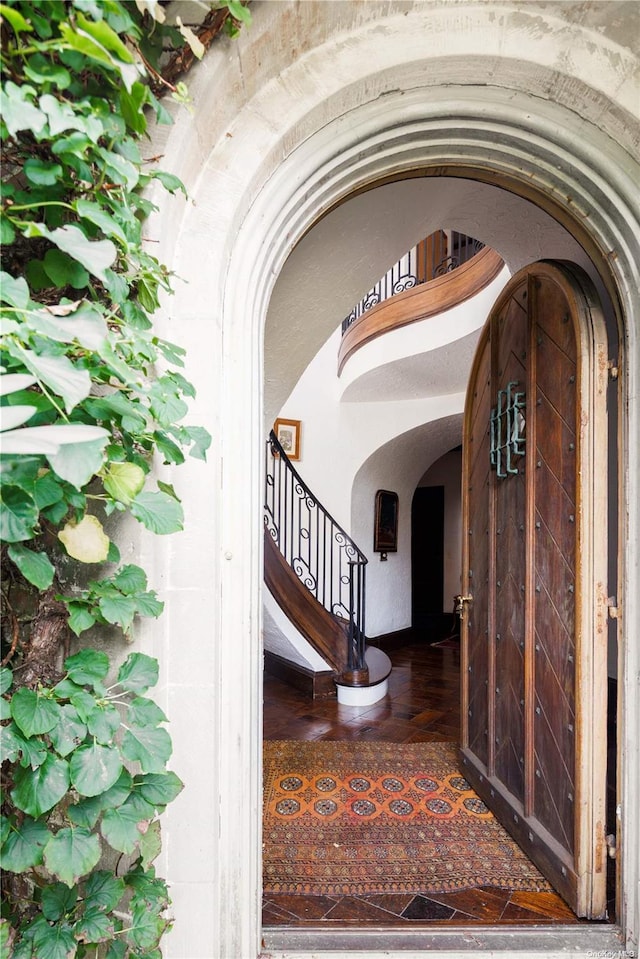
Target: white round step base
[[362, 695]]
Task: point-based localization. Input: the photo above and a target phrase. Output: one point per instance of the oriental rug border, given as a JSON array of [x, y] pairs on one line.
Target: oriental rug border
[[360, 818]]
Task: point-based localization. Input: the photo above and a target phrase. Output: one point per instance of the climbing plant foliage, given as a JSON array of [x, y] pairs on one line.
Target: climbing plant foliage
[[89, 395]]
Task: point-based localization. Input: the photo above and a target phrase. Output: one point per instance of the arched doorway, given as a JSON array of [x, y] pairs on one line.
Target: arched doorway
[[528, 145]]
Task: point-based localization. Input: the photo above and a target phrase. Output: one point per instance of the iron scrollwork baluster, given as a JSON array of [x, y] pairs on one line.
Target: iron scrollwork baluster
[[333, 567]]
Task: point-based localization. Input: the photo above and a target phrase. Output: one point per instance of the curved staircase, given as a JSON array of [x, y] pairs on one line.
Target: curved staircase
[[317, 575]]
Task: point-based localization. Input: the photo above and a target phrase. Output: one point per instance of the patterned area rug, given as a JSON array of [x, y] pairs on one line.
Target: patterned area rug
[[345, 818]]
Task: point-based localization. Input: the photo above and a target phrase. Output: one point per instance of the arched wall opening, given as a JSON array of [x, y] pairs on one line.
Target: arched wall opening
[[295, 150]]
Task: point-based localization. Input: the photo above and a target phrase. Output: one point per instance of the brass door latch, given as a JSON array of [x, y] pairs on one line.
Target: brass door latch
[[460, 603]]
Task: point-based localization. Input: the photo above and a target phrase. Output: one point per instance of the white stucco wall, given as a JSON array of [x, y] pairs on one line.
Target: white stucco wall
[[316, 101], [407, 379]]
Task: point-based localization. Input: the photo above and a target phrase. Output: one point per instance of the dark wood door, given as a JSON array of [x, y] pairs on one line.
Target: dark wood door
[[534, 680]]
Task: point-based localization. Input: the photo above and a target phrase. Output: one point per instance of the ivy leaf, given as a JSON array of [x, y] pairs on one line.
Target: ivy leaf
[[95, 255], [14, 416], [97, 215], [122, 828], [118, 609], [37, 568], [159, 512], [131, 103], [19, 112], [88, 667], [57, 899], [54, 942], [103, 722], [146, 927], [17, 21], [86, 812], [59, 373], [18, 516], [89, 46], [14, 382], [61, 116], [72, 853], [159, 789], [6, 679], [94, 926], [95, 768], [150, 844], [36, 791], [41, 173], [47, 490], [148, 604], [169, 181], [7, 235], [70, 731], [84, 702], [123, 481], [150, 747], [24, 845], [144, 712], [33, 713], [138, 673], [166, 405], [80, 617], [14, 745], [196, 45], [63, 270], [130, 579], [238, 11], [201, 440], [66, 322], [104, 890], [86, 540], [78, 462], [119, 169], [40, 70]]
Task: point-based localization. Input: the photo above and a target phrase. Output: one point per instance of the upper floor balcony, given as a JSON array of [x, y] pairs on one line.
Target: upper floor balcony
[[440, 272]]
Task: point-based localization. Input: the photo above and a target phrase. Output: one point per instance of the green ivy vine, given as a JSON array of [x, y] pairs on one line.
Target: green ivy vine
[[89, 395]]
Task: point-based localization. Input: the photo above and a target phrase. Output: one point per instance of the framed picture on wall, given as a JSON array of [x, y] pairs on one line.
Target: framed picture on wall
[[385, 529], [288, 435]]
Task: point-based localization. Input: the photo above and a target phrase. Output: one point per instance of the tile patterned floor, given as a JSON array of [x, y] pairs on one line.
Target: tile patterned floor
[[422, 706]]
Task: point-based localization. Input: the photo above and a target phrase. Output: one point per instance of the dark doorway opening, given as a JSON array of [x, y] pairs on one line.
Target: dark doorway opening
[[427, 563]]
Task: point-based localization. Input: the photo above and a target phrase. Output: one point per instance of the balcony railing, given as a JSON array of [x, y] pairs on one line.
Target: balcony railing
[[440, 253]]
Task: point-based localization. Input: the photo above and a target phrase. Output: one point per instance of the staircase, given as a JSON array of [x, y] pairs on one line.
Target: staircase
[[317, 575]]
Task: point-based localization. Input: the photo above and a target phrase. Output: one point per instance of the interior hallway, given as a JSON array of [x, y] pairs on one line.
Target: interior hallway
[[422, 674]]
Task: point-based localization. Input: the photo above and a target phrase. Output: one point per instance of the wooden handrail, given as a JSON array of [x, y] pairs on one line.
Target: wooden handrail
[[325, 632], [421, 302]]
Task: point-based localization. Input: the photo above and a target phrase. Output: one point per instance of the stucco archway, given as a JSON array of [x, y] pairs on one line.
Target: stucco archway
[[255, 193]]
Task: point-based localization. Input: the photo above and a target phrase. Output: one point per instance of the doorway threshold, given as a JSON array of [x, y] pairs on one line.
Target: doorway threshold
[[483, 942]]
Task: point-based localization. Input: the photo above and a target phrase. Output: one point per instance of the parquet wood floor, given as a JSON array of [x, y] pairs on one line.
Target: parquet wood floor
[[422, 706]]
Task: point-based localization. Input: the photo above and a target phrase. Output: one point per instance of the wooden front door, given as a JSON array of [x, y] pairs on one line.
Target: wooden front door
[[534, 636]]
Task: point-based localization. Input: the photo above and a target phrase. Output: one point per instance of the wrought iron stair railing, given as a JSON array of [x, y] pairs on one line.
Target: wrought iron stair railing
[[319, 551]]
